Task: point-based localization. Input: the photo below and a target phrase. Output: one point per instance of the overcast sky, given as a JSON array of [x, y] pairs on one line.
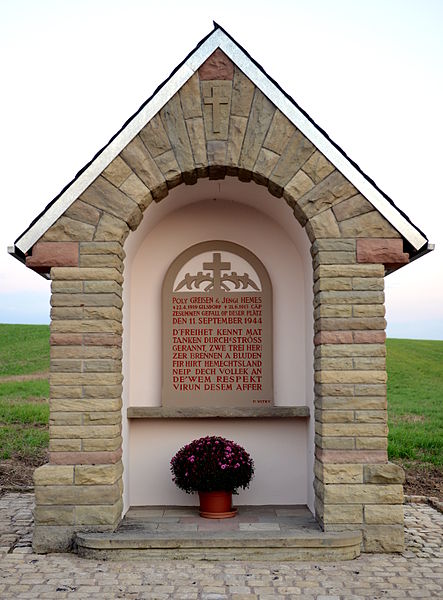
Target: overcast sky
[[368, 72]]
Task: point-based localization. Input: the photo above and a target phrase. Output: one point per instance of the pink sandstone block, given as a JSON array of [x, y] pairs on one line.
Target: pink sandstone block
[[333, 337], [381, 251], [85, 458], [217, 66], [53, 254]]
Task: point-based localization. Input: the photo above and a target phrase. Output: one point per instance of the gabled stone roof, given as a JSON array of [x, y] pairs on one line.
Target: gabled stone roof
[[218, 41]]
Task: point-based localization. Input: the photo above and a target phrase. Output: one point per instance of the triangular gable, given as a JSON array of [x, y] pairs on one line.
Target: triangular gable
[[218, 38]]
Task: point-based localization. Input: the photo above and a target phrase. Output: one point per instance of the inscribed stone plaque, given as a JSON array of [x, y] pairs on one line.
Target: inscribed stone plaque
[[217, 328]]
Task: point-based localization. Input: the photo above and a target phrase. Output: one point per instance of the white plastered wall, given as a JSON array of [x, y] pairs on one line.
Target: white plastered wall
[[283, 450]]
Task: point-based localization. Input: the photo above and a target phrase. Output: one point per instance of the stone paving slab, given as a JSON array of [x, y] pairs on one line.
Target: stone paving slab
[[418, 573]]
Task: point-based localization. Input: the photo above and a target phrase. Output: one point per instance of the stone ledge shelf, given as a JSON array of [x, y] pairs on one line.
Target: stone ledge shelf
[[204, 412]]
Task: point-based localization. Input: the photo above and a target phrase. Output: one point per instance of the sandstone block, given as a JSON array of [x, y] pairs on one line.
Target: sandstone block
[[141, 162], [102, 248], [371, 224], [217, 66], [352, 207], [389, 473], [362, 494], [102, 339], [77, 494], [86, 352], [84, 432], [98, 474], [350, 376], [65, 418], [66, 287], [317, 167], [264, 165], [369, 337], [216, 97], [370, 416], [322, 225], [242, 94], [54, 515], [260, 117], [66, 229], [339, 513], [65, 391], [102, 418], [66, 365], [368, 283], [328, 364], [101, 300], [53, 475], [63, 445], [351, 350], [353, 429], [333, 337], [174, 123], [77, 273], [335, 442], [237, 130], [53, 254], [196, 132], [111, 229], [86, 458], [350, 456], [99, 515], [190, 98], [365, 389], [333, 283], [62, 313], [339, 297], [371, 443], [296, 152], [87, 326], [366, 402], [337, 324], [102, 391], [102, 444], [333, 258], [334, 416], [168, 165], [155, 137], [102, 366], [117, 171], [354, 270], [381, 250], [81, 211], [101, 260], [326, 194], [334, 245], [391, 514], [280, 132], [334, 389], [86, 404], [295, 189], [135, 189], [383, 538], [333, 473], [327, 310]]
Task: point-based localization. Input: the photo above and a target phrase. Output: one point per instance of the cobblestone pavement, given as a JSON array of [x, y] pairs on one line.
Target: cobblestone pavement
[[418, 573]]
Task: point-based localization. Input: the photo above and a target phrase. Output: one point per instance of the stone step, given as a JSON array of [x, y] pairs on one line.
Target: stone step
[[230, 545]]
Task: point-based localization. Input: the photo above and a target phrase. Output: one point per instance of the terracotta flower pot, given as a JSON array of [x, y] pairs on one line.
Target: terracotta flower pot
[[216, 505]]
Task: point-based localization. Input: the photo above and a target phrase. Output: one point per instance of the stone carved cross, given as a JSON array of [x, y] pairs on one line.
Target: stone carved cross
[[216, 100], [217, 266]]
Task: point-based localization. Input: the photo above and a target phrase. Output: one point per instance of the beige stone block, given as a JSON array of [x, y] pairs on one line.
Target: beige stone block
[[326, 194], [101, 260], [334, 416], [333, 258], [352, 207], [383, 538], [339, 513], [296, 187], [84, 432], [331, 473], [350, 324], [66, 366], [86, 404], [371, 443], [105, 196], [378, 310], [190, 98], [174, 124], [280, 132], [87, 326], [322, 225], [76, 494], [111, 229], [335, 443], [318, 167], [117, 171], [371, 416], [216, 100], [334, 389], [141, 162], [65, 418], [101, 444], [371, 224], [102, 391], [86, 352], [354, 270], [103, 287], [237, 130], [135, 189], [294, 155], [368, 283], [260, 117], [54, 515], [102, 248], [333, 245], [337, 363], [66, 313], [328, 310], [388, 473], [103, 312], [370, 389], [98, 515], [54, 475], [333, 283], [101, 300], [102, 418], [216, 151], [242, 94], [355, 429], [264, 165], [66, 287], [154, 137], [362, 494], [350, 376], [337, 402], [168, 165], [78, 273], [81, 211], [384, 515], [351, 350], [98, 474], [66, 229], [196, 132], [65, 391], [101, 366], [339, 297], [63, 445]]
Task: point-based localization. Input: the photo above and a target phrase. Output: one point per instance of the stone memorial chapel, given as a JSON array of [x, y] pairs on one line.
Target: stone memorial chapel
[[218, 269]]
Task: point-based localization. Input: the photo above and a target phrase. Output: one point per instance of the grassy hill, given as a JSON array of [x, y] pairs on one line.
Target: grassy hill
[[415, 398]]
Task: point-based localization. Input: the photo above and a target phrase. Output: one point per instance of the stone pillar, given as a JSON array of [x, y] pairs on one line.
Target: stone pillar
[[355, 486], [81, 487]]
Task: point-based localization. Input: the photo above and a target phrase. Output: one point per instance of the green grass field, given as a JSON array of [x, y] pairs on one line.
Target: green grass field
[[415, 396]]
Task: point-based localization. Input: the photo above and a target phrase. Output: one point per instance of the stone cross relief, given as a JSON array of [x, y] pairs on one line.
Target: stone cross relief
[[216, 100], [217, 283]]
